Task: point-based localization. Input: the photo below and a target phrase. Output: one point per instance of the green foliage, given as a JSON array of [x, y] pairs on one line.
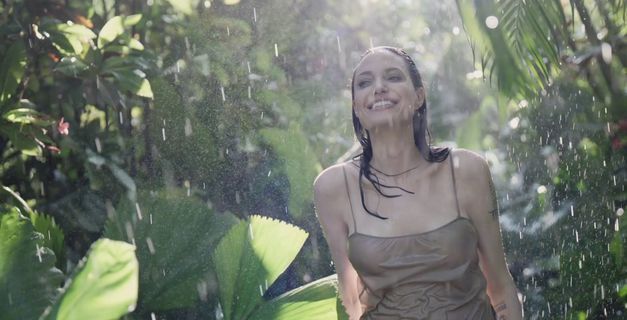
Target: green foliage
[[28, 277], [115, 28], [53, 236], [173, 234], [317, 300], [103, 286], [300, 166], [11, 71], [249, 258]]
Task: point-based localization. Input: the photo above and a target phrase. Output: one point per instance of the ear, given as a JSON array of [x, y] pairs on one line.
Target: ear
[[420, 97]]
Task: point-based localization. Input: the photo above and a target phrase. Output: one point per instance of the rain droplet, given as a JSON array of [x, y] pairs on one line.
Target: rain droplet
[[223, 95], [138, 210], [98, 146], [339, 45], [38, 251], [254, 14], [188, 127], [151, 246], [250, 232], [218, 312], [491, 22], [606, 52]]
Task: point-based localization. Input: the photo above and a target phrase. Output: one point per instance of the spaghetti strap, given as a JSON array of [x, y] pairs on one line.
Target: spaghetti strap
[[450, 155], [348, 194]]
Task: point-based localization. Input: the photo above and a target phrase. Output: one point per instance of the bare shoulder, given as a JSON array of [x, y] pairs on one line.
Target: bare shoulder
[[330, 196], [469, 165], [330, 181]]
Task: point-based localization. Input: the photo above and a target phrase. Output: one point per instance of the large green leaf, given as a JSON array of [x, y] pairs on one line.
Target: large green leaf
[[103, 287], [11, 71], [250, 258], [68, 38], [28, 116], [174, 235], [313, 301], [28, 278], [115, 28]]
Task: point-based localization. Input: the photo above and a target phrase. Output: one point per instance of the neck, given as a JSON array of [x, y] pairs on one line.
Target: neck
[[394, 150]]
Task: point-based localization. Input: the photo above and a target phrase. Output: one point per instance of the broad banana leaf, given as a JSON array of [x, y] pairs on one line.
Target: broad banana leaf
[[317, 300], [249, 259]]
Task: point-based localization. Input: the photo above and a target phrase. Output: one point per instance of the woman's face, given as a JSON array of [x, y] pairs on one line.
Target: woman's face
[[383, 91]]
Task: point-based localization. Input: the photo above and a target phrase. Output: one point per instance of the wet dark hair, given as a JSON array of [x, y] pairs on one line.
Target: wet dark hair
[[429, 153]]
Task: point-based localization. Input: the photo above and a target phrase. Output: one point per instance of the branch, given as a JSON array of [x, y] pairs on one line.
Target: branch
[[591, 34]]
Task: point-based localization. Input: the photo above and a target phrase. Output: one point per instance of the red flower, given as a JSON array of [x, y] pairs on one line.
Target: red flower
[[63, 127]]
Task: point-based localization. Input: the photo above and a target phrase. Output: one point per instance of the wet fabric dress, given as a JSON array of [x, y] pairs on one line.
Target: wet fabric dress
[[428, 275]]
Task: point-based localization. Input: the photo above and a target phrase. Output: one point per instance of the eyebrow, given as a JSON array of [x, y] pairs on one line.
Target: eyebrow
[[386, 70]]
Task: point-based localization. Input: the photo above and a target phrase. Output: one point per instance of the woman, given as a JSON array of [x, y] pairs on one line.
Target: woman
[[413, 230]]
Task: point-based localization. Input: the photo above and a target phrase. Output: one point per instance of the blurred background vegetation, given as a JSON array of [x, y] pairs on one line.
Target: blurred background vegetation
[[178, 125]]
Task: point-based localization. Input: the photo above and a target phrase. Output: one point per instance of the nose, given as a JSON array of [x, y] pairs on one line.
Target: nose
[[380, 86]]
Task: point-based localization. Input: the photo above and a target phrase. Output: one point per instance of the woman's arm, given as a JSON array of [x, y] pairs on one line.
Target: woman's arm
[[330, 201], [482, 208]]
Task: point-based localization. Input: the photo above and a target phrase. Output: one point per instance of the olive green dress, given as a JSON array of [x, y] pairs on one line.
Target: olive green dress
[[428, 275]]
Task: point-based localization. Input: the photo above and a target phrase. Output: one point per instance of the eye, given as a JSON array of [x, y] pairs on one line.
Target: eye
[[395, 78], [363, 83]]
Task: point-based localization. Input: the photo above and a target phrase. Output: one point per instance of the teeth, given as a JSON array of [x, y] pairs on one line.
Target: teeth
[[381, 104]]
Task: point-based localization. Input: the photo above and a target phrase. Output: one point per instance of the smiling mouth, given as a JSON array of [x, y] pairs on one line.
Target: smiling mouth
[[381, 105]]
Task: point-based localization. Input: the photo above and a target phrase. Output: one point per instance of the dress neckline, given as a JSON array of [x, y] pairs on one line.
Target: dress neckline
[[416, 234]]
